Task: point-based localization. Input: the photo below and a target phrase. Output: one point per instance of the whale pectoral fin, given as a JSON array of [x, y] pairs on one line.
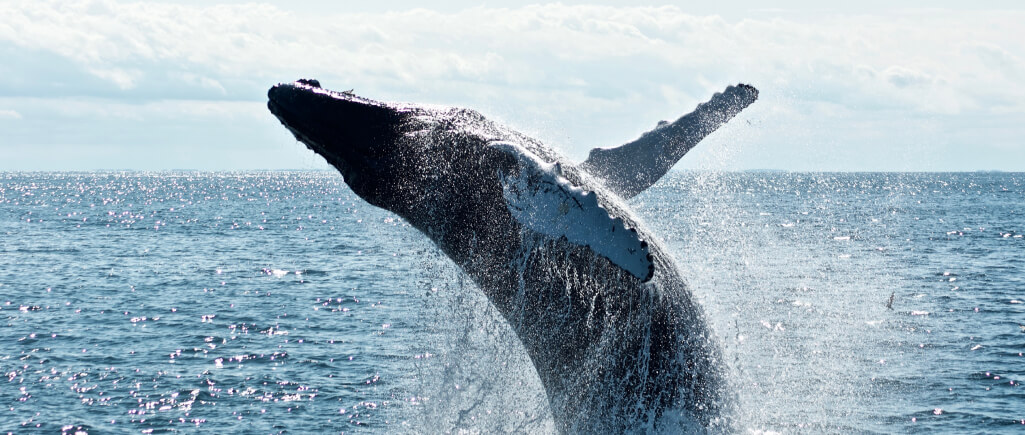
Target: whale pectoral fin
[[544, 202], [635, 166]]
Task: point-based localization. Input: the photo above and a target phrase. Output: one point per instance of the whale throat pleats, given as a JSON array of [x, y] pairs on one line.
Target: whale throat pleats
[[631, 168], [544, 202]]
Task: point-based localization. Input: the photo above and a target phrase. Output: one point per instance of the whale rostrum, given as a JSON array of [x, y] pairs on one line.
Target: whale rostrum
[[602, 310]]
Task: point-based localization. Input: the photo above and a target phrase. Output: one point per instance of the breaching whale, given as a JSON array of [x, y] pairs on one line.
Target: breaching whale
[[603, 312]]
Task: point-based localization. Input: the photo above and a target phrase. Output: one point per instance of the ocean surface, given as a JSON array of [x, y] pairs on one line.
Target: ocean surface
[[272, 302]]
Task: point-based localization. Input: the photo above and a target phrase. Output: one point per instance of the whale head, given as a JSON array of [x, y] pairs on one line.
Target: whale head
[[456, 176], [354, 134], [414, 160]]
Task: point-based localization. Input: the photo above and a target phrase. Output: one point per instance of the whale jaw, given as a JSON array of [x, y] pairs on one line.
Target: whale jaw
[[350, 132]]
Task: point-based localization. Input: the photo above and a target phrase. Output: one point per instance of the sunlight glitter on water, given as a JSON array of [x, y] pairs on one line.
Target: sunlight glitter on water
[[188, 325]]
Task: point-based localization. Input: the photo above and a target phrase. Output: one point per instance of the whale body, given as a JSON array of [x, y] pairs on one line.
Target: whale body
[[603, 312]]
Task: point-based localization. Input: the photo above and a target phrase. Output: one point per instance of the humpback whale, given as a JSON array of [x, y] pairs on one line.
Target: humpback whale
[[614, 334]]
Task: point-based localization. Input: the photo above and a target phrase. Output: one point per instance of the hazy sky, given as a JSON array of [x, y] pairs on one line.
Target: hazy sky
[[182, 84]]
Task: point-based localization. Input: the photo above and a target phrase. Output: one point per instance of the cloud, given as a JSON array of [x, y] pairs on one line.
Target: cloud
[[552, 46], [580, 75], [903, 77], [997, 59], [124, 79], [9, 114], [200, 81]]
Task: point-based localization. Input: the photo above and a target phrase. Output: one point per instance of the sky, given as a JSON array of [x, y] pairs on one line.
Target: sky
[[871, 86]]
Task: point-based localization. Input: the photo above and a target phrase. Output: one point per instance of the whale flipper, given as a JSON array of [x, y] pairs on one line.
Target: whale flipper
[[631, 168], [544, 202]]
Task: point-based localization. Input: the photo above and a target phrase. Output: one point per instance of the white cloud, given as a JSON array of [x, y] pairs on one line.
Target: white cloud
[[581, 75], [903, 77], [9, 114], [535, 45], [200, 81], [124, 79]]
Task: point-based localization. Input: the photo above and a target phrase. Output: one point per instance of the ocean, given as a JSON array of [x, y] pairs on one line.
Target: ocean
[[272, 302]]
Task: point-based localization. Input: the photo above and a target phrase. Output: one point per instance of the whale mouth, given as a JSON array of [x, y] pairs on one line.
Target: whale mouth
[[342, 158], [347, 130]]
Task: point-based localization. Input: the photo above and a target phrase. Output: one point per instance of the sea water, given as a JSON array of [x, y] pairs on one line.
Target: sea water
[[269, 302]]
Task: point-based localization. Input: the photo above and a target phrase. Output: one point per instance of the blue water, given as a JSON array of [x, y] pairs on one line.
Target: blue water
[[279, 301]]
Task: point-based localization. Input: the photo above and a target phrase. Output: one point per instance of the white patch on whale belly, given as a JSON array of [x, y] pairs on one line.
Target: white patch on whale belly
[[545, 202]]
